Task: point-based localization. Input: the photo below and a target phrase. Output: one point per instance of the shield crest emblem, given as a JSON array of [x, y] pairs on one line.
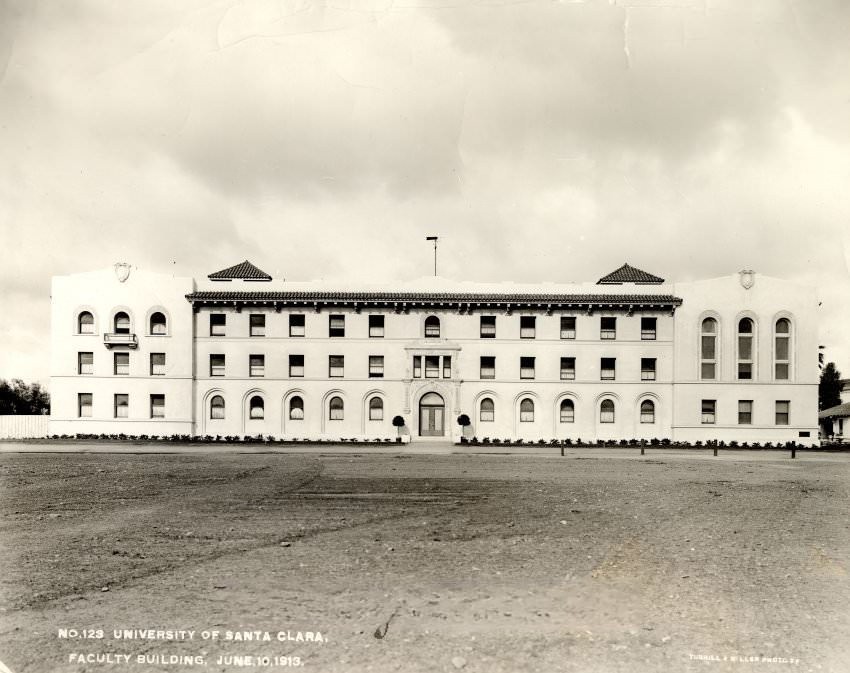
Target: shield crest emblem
[[748, 278], [122, 271]]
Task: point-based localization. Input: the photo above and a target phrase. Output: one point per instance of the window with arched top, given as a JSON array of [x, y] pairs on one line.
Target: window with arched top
[[746, 330], [526, 410], [432, 327], [376, 409], [121, 323], [568, 411], [257, 408], [296, 408], [158, 324], [336, 409], [782, 350], [606, 411], [647, 411], [217, 407], [708, 350], [487, 412], [85, 323]]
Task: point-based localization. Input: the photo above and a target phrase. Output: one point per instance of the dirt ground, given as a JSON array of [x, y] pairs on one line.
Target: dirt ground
[[598, 561]]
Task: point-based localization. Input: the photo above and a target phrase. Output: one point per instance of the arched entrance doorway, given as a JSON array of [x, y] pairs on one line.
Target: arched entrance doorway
[[432, 410]]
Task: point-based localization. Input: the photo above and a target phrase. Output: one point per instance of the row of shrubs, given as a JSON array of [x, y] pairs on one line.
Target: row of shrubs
[[610, 443], [213, 439]]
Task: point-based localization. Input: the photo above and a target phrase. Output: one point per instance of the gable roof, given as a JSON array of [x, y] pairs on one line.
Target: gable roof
[[242, 271], [629, 274]]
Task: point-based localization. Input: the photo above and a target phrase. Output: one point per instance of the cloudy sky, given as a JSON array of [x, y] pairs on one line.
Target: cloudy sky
[[541, 140]]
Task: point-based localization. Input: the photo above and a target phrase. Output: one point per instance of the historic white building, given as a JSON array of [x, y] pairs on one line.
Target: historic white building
[[239, 353]]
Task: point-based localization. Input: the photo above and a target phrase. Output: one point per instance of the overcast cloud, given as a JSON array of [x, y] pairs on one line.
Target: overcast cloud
[[540, 140]]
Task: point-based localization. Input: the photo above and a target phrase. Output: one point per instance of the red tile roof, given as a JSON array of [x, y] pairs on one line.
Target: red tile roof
[[242, 271], [629, 274], [839, 411]]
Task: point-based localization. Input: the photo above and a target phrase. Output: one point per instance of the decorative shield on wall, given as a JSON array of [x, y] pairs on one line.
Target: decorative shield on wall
[[122, 270], [748, 278]]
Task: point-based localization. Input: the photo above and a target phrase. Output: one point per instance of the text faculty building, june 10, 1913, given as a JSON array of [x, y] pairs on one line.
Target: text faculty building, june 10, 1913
[[627, 357]]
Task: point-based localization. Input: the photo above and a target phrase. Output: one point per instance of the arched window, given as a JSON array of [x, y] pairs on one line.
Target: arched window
[[526, 410], [647, 411], [745, 349], [257, 407], [487, 413], [296, 409], [782, 353], [336, 409], [568, 411], [376, 409], [217, 407], [708, 350], [432, 327], [606, 411], [158, 324], [121, 323], [85, 323]]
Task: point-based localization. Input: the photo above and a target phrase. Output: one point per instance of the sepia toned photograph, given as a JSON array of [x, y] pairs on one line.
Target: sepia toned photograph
[[410, 336]]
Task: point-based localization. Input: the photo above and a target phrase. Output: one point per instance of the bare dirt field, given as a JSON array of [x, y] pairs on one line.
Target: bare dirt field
[[598, 561]]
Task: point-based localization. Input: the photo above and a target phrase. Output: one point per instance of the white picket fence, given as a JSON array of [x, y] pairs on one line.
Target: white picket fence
[[23, 427]]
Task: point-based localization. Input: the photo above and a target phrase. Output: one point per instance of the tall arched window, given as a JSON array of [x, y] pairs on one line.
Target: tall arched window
[[782, 353], [85, 323], [488, 410], [336, 409], [217, 407], [432, 327], [647, 411], [606, 411], [158, 323], [708, 350], [526, 410], [257, 407], [746, 330], [121, 323], [568, 411], [376, 409], [296, 408]]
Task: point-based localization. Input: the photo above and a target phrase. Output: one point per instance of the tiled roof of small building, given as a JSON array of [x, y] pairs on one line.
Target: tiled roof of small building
[[839, 411], [629, 274], [242, 271]]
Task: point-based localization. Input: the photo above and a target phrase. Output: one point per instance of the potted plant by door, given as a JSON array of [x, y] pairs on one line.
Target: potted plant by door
[[464, 422], [398, 422]]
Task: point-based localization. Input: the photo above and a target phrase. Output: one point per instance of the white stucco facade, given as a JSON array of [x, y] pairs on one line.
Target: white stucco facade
[[249, 355]]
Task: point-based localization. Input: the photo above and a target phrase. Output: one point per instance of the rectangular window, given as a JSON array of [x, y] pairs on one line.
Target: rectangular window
[[258, 324], [296, 324], [417, 366], [157, 406], [608, 367], [447, 366], [648, 328], [568, 369], [527, 326], [85, 363], [647, 369], [607, 328], [488, 327], [84, 405], [432, 366], [157, 364], [376, 326], [296, 366], [218, 324], [568, 327], [121, 406], [336, 366], [709, 411], [526, 368], [217, 364], [376, 366], [336, 325], [121, 364], [488, 367], [783, 412], [745, 412], [256, 365]]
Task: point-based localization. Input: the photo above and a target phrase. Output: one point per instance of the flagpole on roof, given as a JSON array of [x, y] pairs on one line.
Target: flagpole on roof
[[433, 238]]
